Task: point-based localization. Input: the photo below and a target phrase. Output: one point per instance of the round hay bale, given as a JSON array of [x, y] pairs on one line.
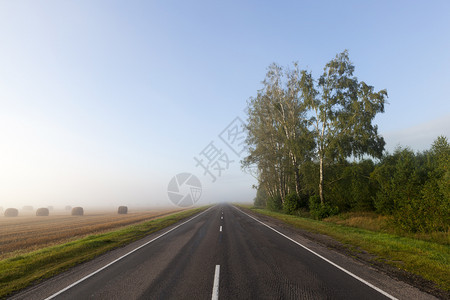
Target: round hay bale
[[77, 211], [27, 208], [42, 212], [11, 212], [123, 210], [68, 208]]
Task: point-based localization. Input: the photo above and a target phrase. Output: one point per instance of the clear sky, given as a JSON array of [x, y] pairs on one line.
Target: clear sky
[[103, 102]]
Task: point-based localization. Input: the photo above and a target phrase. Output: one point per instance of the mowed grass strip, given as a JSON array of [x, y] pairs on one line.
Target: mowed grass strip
[[427, 259], [20, 271]]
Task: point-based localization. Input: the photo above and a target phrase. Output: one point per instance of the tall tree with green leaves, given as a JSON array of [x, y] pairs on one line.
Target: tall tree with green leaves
[[277, 136], [295, 119], [340, 111], [265, 147]]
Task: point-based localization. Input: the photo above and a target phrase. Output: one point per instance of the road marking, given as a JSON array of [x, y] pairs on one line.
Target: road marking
[[123, 256], [221, 218], [325, 259], [220, 229], [215, 292]]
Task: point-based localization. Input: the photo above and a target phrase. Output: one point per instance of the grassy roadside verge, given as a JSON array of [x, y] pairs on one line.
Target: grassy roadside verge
[[18, 272], [424, 258]]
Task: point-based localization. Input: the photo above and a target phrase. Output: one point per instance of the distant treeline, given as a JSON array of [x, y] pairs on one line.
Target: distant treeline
[[312, 146]]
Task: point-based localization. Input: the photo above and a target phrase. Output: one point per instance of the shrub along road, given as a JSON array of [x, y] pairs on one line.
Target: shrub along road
[[223, 253]]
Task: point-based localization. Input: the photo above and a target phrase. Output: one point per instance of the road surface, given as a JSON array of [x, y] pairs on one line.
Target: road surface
[[222, 253]]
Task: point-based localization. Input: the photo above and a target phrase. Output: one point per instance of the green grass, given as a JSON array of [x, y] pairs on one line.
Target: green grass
[[427, 259], [376, 222], [20, 271]]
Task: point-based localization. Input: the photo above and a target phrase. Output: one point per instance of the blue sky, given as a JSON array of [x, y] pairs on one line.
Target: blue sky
[[103, 102]]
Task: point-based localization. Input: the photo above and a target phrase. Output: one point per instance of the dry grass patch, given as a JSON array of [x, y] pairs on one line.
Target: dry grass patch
[[379, 223], [365, 220]]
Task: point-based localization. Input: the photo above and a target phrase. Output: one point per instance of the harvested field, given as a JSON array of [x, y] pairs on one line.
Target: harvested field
[[26, 233]]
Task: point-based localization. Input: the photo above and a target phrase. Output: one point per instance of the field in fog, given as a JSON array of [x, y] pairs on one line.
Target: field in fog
[[27, 232]]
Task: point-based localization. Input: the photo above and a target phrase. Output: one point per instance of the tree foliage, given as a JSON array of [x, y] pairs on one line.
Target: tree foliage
[[413, 188], [291, 203], [295, 120], [310, 141], [341, 110]]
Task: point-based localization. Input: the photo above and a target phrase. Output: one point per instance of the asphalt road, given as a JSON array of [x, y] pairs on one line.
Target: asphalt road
[[222, 253]]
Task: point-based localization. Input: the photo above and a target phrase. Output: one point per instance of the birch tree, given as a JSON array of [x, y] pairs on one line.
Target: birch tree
[[295, 118], [341, 110], [277, 133]]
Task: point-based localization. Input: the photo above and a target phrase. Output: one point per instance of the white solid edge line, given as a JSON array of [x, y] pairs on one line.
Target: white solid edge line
[[215, 292], [325, 259], [125, 255], [220, 229]]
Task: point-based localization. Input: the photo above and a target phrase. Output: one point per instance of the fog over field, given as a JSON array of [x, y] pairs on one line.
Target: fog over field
[[51, 166]]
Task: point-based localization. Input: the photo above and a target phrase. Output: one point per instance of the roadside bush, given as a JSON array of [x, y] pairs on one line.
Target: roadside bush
[[320, 211], [349, 186], [424, 214], [291, 203], [274, 203], [414, 189], [399, 179], [261, 198]]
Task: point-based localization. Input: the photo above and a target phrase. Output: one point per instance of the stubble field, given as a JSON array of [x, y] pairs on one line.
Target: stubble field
[[27, 232]]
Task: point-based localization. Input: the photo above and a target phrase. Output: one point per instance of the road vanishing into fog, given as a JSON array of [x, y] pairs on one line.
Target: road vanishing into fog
[[221, 253]]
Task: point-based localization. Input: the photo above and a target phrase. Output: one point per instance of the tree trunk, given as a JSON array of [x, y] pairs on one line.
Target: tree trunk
[[297, 181], [296, 174], [282, 189], [321, 178], [321, 155]]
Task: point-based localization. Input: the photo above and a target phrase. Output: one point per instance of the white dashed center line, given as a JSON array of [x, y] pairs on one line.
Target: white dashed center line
[[215, 292]]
